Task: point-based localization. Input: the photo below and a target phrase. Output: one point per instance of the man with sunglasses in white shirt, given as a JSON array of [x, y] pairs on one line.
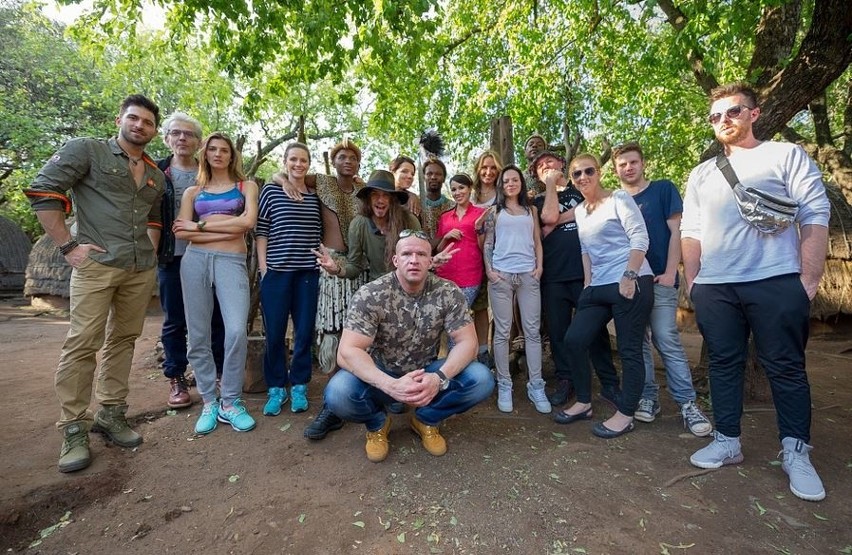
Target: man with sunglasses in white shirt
[[743, 279]]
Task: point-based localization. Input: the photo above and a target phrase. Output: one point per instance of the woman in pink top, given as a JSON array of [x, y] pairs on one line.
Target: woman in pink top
[[457, 227]]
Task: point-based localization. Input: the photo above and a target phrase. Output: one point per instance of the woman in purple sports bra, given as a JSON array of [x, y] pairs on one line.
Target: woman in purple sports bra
[[214, 217]]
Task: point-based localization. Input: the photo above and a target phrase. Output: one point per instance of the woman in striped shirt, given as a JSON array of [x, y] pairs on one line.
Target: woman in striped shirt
[[287, 233]]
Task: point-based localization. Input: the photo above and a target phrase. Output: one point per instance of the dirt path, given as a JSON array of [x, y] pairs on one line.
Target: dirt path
[[509, 484]]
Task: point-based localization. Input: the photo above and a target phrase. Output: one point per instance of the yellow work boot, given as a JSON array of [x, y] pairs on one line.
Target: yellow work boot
[[431, 438], [377, 443]]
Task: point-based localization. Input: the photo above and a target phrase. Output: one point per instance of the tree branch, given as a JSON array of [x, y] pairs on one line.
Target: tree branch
[[847, 120], [824, 55], [774, 41], [448, 49], [819, 114], [678, 20]]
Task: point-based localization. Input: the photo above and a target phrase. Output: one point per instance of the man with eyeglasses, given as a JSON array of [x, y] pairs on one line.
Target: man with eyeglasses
[[661, 207], [116, 190], [389, 347], [562, 279], [182, 134], [743, 280]]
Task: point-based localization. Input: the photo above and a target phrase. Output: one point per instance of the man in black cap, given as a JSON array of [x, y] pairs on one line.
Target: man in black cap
[[562, 280]]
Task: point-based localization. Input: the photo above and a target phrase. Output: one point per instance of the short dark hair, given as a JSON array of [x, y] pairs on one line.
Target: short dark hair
[[624, 148], [730, 89], [144, 102], [399, 161], [432, 160]]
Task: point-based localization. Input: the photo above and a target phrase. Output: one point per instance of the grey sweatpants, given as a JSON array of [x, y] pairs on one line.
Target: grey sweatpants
[[200, 270], [528, 292]]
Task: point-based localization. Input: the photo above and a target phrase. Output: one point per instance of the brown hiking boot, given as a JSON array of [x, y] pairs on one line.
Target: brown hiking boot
[[111, 422], [75, 449], [179, 393], [377, 443], [431, 438]]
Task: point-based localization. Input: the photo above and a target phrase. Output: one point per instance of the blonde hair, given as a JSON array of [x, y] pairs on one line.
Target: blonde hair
[[235, 164], [477, 185]]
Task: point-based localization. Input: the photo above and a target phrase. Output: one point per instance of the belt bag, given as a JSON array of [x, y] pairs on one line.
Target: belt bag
[[765, 212]]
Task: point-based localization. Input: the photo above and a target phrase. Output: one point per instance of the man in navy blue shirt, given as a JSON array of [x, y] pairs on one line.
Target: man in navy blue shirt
[[661, 208]]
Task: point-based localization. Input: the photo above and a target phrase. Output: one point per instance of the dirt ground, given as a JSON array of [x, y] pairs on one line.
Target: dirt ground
[[509, 484]]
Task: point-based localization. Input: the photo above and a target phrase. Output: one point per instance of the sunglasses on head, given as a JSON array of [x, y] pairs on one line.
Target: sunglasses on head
[[416, 232], [731, 113], [590, 171]]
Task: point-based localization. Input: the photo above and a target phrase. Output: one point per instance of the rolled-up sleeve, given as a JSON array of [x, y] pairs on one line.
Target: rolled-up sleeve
[[64, 169]]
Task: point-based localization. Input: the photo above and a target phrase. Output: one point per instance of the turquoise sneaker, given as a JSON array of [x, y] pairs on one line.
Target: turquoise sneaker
[[277, 397], [299, 399], [207, 421], [236, 416]]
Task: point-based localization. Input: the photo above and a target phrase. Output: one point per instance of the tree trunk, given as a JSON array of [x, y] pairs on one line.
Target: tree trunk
[[502, 141]]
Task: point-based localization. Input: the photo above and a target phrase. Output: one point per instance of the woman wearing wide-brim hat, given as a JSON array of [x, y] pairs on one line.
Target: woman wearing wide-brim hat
[[374, 233]]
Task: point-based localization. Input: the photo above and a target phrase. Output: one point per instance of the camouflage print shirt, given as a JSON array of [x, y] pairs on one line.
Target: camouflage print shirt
[[406, 329]]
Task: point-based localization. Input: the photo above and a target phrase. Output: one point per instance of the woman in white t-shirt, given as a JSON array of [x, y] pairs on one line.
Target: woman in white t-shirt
[[619, 286], [513, 264]]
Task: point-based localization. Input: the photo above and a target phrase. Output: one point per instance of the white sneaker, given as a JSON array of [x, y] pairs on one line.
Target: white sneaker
[[804, 480], [723, 450], [504, 396], [536, 394]]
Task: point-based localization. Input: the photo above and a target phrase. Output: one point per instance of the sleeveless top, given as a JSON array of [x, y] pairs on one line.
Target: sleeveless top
[[514, 246], [231, 202]]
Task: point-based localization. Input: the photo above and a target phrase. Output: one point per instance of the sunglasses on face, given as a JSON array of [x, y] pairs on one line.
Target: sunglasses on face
[[731, 113], [577, 174], [417, 233]]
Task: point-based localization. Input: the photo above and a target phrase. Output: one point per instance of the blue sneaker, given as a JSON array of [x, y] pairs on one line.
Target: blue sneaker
[[236, 416], [206, 423], [299, 400], [277, 397]]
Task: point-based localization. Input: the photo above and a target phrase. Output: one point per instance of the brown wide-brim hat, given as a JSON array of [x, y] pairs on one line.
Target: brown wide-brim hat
[[381, 180], [544, 154]]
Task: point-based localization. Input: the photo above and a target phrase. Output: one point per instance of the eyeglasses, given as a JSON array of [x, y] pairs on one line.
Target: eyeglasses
[[731, 113], [590, 171], [416, 232], [181, 132]]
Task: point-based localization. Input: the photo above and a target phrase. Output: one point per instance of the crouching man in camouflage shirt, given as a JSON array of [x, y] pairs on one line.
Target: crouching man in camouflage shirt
[[389, 347]]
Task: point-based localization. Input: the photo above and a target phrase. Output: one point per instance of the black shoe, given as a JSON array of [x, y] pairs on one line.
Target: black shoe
[[602, 431], [326, 421], [611, 395], [563, 417], [564, 391]]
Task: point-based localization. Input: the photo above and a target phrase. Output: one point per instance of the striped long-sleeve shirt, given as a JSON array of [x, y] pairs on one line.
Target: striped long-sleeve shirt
[[292, 229]]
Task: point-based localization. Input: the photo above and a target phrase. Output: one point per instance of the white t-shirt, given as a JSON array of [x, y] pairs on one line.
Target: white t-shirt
[[733, 251], [609, 233]]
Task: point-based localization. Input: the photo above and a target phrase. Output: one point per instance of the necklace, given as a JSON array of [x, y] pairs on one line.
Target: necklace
[[133, 161]]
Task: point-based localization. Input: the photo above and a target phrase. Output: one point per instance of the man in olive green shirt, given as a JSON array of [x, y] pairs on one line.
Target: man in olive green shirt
[[117, 190]]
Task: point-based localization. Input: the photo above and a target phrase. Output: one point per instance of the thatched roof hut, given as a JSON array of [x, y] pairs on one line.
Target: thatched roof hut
[[48, 275], [834, 296], [14, 250]]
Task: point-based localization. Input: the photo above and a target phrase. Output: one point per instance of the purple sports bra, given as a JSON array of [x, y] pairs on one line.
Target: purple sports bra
[[231, 203]]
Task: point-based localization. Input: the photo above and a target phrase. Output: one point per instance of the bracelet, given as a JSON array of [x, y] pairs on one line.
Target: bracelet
[[201, 225], [66, 248]]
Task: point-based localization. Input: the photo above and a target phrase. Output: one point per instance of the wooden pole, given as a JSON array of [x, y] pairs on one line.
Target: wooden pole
[[502, 141]]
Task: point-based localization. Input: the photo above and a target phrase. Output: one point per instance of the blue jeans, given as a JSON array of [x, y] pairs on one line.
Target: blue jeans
[[356, 401], [597, 306], [174, 323], [666, 338], [283, 294], [776, 311]]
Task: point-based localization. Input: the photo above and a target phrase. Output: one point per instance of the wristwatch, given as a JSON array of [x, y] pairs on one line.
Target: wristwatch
[[630, 274], [445, 382]]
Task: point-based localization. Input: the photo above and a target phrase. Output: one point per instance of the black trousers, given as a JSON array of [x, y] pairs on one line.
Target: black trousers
[[776, 312], [596, 307], [558, 303]]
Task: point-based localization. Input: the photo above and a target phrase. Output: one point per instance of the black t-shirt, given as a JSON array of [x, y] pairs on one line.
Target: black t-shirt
[[562, 258]]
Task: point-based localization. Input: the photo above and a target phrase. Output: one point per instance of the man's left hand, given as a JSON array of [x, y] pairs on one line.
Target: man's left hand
[[429, 385], [665, 280], [810, 286]]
